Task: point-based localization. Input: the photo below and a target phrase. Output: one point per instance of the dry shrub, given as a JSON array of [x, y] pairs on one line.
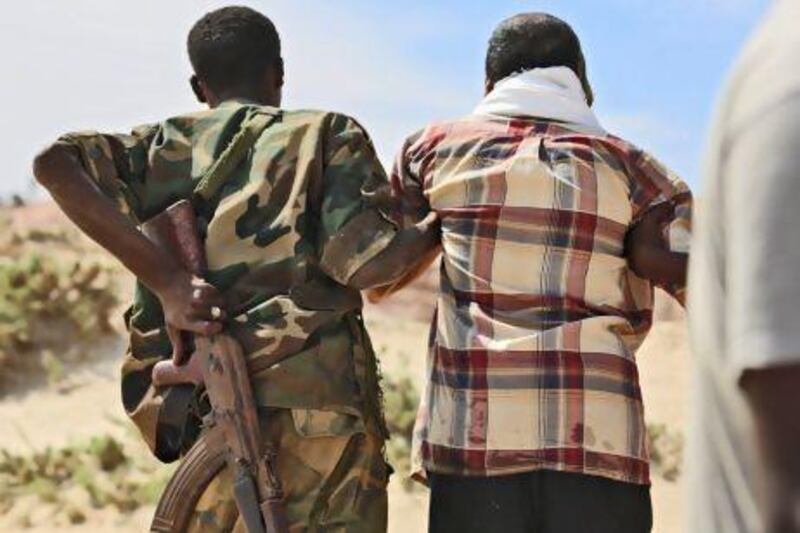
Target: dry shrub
[[72, 480], [47, 306], [400, 404], [666, 451]]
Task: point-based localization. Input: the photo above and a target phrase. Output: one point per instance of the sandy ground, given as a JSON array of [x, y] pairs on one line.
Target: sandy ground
[[38, 415]]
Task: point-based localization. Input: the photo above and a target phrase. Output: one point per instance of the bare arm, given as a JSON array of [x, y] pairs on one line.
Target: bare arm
[[773, 396], [660, 265], [186, 300], [648, 253]]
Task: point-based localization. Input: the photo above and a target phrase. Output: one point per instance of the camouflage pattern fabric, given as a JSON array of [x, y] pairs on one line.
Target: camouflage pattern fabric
[[333, 474], [305, 210]]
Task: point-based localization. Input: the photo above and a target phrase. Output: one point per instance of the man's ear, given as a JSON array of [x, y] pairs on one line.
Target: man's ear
[[279, 73], [197, 89]]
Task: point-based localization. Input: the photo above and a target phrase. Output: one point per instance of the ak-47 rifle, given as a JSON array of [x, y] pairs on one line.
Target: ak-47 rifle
[[233, 429], [257, 489]]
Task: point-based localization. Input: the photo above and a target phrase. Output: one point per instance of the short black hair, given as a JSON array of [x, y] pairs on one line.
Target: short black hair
[[233, 47], [534, 40]]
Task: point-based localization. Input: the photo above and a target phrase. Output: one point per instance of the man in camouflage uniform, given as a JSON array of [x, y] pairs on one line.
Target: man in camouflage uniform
[[298, 228]]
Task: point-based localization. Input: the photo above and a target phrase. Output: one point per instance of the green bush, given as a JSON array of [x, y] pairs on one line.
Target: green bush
[[102, 468], [400, 399], [46, 306], [666, 451]]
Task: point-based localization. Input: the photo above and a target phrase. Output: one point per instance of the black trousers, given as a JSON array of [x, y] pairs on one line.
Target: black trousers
[[538, 502]]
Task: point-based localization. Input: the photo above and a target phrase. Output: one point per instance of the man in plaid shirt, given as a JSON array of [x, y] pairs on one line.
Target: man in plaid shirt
[[532, 416]]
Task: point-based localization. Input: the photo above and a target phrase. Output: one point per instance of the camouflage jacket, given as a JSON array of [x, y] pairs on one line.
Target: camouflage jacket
[[292, 224]]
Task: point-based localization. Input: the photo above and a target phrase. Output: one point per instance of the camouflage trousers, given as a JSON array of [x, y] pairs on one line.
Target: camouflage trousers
[[332, 469]]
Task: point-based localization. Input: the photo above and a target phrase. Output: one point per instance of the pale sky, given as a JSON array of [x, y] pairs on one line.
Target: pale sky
[[656, 66]]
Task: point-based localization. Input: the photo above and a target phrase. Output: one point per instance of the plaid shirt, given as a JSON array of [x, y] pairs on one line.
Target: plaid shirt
[[532, 353]]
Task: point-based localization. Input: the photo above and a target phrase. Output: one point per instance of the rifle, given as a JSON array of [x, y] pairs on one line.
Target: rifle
[[257, 489], [233, 420]]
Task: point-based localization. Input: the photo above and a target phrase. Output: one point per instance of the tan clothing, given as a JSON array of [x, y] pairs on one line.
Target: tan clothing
[[532, 362], [744, 286]]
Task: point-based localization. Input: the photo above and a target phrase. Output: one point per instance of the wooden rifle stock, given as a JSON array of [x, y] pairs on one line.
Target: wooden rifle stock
[[257, 489]]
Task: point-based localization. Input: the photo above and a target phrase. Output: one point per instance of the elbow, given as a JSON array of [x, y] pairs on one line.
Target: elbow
[[51, 162], [372, 275], [637, 263]]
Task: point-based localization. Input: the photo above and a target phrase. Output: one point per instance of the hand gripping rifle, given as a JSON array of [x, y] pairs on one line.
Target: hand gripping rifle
[[233, 428]]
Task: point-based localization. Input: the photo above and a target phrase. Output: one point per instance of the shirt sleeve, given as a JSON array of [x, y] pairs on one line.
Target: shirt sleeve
[[410, 206], [654, 184], [761, 180], [408, 189], [117, 163], [356, 221]]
